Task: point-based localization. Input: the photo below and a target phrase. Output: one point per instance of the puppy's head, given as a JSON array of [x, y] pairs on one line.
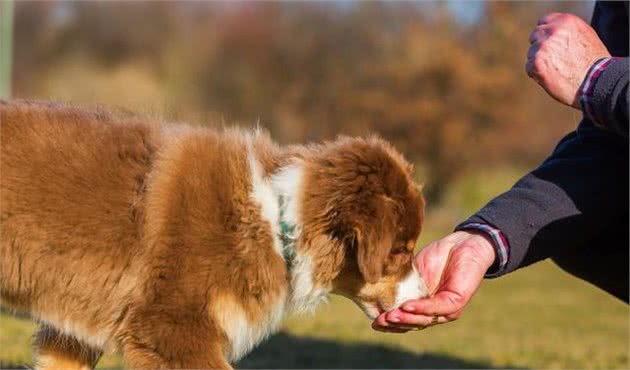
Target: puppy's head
[[364, 214]]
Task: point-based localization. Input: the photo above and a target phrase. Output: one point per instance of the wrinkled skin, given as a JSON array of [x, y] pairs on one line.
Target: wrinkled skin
[[563, 47]]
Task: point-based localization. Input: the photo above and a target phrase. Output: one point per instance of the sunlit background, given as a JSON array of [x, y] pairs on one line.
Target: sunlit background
[[443, 81]]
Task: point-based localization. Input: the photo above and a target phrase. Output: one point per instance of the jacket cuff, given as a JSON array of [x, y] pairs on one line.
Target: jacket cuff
[[597, 86], [500, 244]]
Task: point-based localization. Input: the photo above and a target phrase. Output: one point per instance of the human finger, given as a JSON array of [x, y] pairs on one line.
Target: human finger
[[530, 69], [442, 303], [533, 49], [402, 319], [539, 34], [548, 18], [383, 326], [391, 330]]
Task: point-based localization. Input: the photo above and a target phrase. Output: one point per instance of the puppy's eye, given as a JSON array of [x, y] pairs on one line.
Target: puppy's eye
[[399, 249]]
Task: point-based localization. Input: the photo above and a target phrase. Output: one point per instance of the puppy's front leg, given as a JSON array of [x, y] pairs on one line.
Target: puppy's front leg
[[55, 350], [171, 353], [143, 358]]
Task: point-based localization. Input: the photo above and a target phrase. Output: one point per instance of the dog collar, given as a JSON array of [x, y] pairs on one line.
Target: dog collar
[[288, 233]]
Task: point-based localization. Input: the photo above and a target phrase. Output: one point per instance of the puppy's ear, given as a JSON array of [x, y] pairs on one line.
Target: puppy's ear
[[373, 248]]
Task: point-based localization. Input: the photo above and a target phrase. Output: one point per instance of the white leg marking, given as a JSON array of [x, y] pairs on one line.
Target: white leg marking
[[97, 338]]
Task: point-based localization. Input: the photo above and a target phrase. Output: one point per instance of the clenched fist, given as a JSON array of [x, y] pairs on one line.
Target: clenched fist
[[563, 47]]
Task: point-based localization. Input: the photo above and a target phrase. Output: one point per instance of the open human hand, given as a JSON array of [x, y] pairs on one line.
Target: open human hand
[[452, 268]]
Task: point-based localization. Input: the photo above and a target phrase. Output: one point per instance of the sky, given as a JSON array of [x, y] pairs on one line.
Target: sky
[[466, 12]]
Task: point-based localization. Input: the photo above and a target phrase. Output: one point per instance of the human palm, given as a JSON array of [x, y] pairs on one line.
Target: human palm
[[452, 268]]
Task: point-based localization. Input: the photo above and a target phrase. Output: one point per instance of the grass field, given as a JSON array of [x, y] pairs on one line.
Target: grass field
[[538, 317]]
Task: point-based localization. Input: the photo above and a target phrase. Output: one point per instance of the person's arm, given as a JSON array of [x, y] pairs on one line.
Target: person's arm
[[576, 193], [566, 201]]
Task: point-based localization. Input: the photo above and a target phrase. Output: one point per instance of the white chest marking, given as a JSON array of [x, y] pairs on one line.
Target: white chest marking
[[305, 295], [267, 190], [242, 334], [286, 183], [262, 193]]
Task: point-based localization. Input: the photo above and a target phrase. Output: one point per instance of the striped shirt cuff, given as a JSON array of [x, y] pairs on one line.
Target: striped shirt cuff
[[501, 245], [588, 86]]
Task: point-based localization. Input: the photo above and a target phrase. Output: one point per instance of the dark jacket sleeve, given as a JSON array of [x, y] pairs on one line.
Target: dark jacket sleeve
[[579, 191], [609, 102]]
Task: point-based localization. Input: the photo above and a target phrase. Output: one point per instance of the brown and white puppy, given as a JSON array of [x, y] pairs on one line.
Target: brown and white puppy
[[185, 247]]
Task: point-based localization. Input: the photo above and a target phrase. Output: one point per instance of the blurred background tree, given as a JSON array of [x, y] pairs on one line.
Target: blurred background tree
[[443, 81]]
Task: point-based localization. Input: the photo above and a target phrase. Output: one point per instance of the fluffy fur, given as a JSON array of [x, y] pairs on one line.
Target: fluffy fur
[[164, 242]]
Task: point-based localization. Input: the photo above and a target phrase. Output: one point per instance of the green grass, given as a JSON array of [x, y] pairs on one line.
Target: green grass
[[538, 317]]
